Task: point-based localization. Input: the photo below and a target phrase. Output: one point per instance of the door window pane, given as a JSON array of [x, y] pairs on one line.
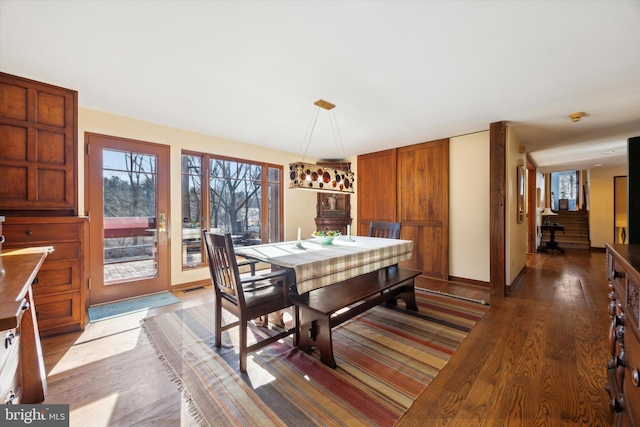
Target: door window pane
[[130, 241]]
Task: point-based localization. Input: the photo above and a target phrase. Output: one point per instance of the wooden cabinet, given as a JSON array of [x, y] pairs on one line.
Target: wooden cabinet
[[410, 185], [38, 142], [38, 193], [333, 212], [58, 289], [623, 368], [376, 187]]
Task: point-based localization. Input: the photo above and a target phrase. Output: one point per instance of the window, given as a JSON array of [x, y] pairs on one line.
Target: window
[[192, 215], [240, 197], [568, 186]]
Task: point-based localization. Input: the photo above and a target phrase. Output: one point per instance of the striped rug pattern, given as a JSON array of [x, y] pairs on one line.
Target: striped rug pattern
[[386, 357]]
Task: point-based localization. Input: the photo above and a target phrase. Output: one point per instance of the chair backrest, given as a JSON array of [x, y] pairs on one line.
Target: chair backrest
[[223, 266], [388, 230]]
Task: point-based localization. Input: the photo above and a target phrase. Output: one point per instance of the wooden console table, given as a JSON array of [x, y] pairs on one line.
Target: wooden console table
[[551, 244], [21, 364]]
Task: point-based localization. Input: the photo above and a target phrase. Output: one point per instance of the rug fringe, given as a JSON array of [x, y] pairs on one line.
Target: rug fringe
[[478, 301], [192, 407]]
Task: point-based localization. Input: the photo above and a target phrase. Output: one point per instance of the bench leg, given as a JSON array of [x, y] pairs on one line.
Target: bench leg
[[315, 330], [409, 296]]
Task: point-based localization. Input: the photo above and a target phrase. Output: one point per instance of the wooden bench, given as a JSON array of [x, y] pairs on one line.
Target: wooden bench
[[320, 310]]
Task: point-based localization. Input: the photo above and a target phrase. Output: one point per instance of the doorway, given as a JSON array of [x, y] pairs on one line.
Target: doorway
[[127, 196], [620, 209]]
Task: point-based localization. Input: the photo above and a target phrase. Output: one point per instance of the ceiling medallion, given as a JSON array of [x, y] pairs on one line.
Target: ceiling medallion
[[575, 117]]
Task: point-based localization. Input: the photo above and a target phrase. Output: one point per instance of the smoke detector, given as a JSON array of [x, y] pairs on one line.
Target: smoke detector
[[575, 117]]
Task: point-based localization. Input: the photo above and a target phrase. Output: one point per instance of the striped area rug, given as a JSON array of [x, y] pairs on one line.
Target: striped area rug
[[386, 357]]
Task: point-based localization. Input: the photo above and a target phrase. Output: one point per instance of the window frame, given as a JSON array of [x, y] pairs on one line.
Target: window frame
[[206, 202]]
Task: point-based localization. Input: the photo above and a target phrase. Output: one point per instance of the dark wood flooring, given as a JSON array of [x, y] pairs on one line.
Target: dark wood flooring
[[537, 358]]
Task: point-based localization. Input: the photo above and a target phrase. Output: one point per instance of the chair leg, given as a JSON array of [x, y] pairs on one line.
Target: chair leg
[[296, 329], [243, 344], [218, 324]]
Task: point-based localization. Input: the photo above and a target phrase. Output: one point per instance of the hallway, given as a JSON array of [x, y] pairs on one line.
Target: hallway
[[538, 357]]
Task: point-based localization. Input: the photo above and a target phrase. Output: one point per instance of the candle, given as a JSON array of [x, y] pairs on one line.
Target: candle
[[348, 231], [299, 234]]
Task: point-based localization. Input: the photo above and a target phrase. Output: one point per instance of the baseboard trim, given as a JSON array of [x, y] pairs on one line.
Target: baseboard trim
[[471, 282], [190, 285]]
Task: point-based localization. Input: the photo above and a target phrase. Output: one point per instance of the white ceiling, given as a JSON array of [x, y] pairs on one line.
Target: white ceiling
[[400, 72]]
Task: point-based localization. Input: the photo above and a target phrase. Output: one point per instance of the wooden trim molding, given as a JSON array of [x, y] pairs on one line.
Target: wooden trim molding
[[497, 183]]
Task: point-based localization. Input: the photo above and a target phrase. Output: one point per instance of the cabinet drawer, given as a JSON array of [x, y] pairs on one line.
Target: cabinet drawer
[[632, 365], [616, 273], [632, 304], [8, 346], [33, 234], [57, 276], [61, 251], [10, 374], [58, 310]]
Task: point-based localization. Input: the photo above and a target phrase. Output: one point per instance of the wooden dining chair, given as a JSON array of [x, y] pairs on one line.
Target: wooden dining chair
[[388, 230], [247, 297]]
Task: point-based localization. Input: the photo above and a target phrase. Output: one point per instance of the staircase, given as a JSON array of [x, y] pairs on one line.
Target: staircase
[[576, 230]]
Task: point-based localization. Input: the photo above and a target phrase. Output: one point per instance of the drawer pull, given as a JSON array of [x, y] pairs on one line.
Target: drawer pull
[[8, 340], [29, 233], [635, 377], [11, 398], [1, 238], [25, 305], [615, 403]]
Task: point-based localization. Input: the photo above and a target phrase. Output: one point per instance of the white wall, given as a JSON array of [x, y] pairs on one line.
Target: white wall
[[299, 205], [516, 234], [601, 221], [469, 196]]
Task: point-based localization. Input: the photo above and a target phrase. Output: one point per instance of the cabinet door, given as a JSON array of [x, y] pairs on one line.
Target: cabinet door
[[376, 188], [423, 199], [38, 142]]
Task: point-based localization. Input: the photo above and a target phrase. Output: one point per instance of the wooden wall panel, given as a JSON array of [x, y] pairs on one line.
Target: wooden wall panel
[[423, 205], [423, 180], [376, 187], [410, 185], [38, 134]]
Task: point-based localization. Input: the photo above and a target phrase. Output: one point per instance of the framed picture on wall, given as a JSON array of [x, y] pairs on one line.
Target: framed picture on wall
[[520, 195]]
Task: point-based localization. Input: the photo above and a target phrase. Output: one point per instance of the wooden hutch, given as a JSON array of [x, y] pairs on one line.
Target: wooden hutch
[[39, 195], [333, 210]]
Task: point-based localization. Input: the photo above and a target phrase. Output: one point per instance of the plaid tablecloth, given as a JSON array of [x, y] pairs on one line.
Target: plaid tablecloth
[[318, 265]]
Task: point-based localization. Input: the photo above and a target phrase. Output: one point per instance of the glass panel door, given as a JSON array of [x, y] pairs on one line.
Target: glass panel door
[[128, 211]]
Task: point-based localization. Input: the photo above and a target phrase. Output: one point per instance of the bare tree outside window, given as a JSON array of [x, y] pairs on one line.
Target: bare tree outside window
[[237, 196], [235, 199]]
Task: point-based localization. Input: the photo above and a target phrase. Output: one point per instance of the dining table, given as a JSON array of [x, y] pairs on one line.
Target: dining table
[[317, 265]]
